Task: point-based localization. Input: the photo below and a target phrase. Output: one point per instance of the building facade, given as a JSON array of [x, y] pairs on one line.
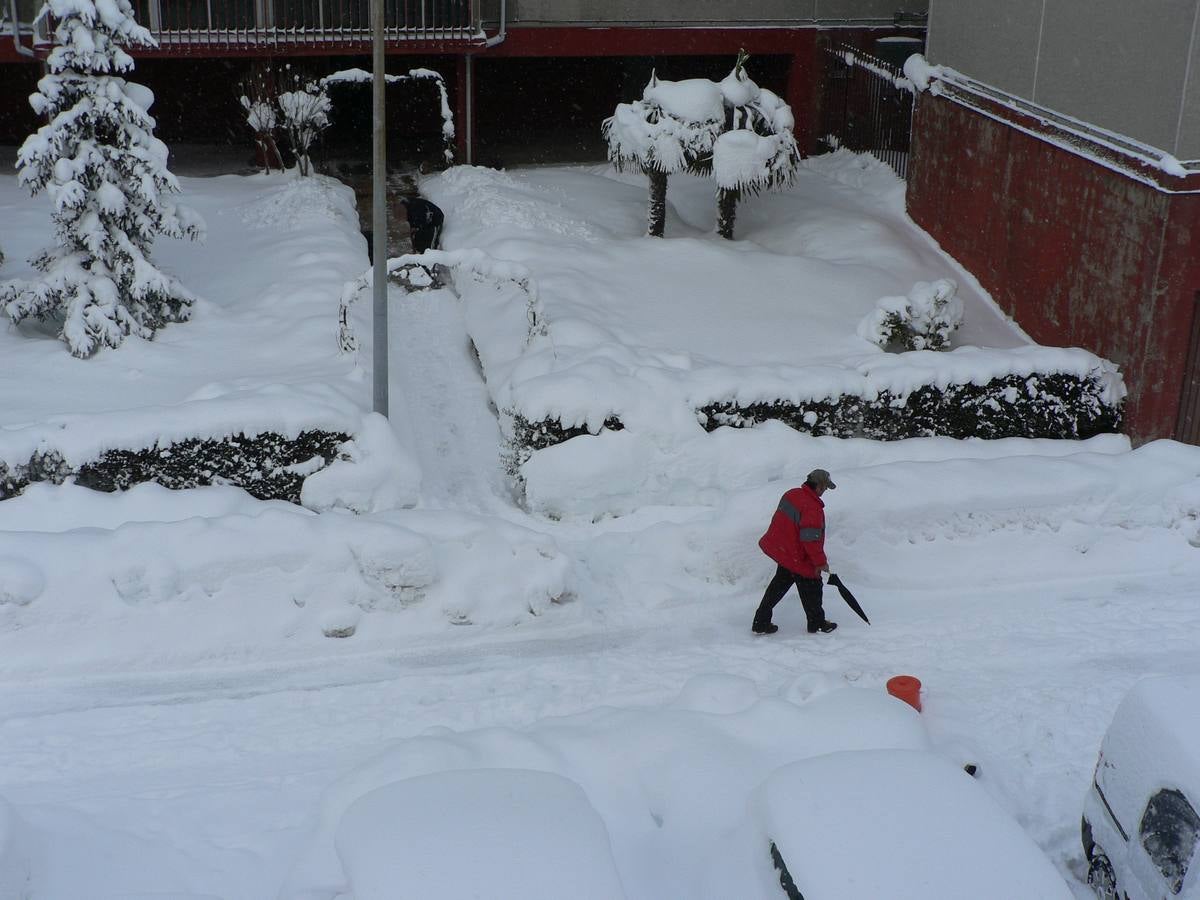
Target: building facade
[[515, 68]]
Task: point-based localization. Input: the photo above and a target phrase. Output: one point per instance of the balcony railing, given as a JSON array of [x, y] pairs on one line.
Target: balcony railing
[[246, 24]]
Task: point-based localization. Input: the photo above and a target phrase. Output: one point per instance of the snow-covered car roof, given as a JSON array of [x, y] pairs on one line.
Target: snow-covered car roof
[[900, 824], [1153, 742], [462, 835]]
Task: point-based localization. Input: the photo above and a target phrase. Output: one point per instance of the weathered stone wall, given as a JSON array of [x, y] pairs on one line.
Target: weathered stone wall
[[1076, 251]]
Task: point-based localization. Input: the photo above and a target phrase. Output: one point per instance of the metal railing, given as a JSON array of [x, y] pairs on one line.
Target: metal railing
[[235, 24], [867, 107]]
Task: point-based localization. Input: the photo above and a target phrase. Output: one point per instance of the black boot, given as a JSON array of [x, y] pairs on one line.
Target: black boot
[[764, 628], [825, 627]]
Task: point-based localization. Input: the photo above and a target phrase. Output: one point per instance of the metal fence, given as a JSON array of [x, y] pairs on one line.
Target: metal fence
[[867, 106], [291, 23]]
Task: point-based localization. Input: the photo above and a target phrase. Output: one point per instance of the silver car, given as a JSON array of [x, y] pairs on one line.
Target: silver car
[[1140, 826]]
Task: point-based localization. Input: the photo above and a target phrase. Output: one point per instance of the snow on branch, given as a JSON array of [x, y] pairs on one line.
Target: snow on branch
[[305, 115], [671, 129]]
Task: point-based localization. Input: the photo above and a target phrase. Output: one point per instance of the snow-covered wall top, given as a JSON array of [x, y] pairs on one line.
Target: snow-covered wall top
[[1087, 59], [1121, 153], [282, 409]]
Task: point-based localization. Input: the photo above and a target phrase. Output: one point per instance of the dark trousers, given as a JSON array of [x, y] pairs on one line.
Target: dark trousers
[[810, 590], [427, 237]]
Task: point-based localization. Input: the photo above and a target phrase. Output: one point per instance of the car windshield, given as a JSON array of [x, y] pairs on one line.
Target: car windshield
[[1170, 830]]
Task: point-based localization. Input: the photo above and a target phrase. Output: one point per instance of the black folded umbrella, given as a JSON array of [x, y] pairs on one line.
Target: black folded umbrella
[[848, 597]]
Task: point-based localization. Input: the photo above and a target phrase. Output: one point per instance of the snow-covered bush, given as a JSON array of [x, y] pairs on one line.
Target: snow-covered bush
[[12, 481], [1048, 405], [109, 185], [305, 115], [757, 151], [670, 130], [1053, 405], [924, 320], [260, 116], [268, 466], [258, 100]]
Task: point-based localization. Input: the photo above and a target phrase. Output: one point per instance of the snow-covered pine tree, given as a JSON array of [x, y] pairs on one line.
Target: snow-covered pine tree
[[107, 177], [305, 115], [670, 130], [757, 150]]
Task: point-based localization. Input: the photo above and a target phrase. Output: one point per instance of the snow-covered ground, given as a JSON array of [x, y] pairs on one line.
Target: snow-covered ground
[[174, 721]]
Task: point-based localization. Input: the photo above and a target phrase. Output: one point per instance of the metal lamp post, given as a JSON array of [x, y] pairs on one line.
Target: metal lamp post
[[379, 313]]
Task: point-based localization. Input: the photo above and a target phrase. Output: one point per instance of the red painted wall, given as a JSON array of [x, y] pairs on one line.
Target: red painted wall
[[1077, 253]]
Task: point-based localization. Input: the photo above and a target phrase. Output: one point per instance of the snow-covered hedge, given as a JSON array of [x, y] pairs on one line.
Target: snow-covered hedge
[[268, 466], [924, 320], [295, 434], [1051, 405], [1040, 405]]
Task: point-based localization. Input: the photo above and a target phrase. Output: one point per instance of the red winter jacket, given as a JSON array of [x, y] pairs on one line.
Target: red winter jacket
[[796, 536]]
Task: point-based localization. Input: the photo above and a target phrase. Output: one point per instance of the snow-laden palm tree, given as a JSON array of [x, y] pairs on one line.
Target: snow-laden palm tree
[[757, 150], [670, 130]]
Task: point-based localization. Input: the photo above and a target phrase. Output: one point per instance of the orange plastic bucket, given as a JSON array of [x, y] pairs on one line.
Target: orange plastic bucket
[[906, 688]]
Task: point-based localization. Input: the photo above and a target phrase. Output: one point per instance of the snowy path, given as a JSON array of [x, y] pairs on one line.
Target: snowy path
[[440, 404], [222, 771]]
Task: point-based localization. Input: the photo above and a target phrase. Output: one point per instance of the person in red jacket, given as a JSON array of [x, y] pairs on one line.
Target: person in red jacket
[[795, 540]]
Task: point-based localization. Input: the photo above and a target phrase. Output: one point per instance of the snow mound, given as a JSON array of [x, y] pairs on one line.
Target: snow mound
[[20, 582], [612, 333], [14, 860], [918, 70], [483, 833], [298, 203], [210, 587], [928, 829], [283, 409], [372, 473], [667, 781], [690, 100], [494, 572], [501, 202], [740, 157], [719, 694]]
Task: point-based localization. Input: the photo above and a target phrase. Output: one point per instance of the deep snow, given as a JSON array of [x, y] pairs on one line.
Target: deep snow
[[174, 721]]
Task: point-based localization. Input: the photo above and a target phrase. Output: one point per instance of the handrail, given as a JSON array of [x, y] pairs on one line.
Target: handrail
[[241, 23], [16, 31], [502, 32]]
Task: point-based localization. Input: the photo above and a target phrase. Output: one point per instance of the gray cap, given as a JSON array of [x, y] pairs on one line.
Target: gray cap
[[820, 478]]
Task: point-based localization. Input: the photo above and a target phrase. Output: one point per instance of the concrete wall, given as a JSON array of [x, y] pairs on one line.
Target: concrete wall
[[725, 12], [1189, 119], [1118, 64]]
